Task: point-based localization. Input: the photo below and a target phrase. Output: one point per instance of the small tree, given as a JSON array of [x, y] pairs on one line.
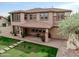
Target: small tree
[[9, 20], [70, 28]]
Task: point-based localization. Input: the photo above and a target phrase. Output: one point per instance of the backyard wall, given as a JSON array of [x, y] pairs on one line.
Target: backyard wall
[[55, 33]]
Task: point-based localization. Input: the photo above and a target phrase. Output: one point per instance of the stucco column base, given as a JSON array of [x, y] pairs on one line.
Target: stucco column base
[[20, 30], [46, 36]]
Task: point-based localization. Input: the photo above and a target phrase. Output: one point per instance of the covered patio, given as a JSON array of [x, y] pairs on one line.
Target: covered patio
[[60, 44], [33, 29]]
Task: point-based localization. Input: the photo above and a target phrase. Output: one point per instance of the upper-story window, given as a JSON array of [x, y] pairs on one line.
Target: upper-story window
[[0, 17], [25, 16], [43, 16], [32, 16], [16, 17], [62, 16], [58, 16]]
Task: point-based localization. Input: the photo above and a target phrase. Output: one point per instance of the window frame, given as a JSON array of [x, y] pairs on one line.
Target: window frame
[[58, 16], [32, 16], [25, 16], [44, 16], [16, 17]]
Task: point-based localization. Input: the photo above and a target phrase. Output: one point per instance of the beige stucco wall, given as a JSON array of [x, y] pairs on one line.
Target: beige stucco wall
[[49, 20], [2, 20], [22, 17], [55, 33], [22, 20]]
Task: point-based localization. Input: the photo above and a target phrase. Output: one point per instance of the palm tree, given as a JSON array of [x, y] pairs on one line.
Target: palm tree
[[70, 29]]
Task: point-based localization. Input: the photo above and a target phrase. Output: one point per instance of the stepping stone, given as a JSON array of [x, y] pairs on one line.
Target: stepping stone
[[18, 42], [11, 46], [2, 51], [21, 41], [7, 48], [15, 44]]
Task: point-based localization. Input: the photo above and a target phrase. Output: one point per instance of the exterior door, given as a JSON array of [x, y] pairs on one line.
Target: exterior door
[[25, 32]]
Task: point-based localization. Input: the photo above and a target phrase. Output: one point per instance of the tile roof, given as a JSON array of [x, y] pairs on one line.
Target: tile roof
[[41, 10], [2, 17], [34, 24]]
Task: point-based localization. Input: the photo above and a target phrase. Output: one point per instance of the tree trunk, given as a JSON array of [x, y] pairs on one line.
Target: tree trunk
[[73, 42]]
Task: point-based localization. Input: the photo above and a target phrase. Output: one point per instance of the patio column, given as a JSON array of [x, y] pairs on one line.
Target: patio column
[[20, 31], [11, 18], [46, 35]]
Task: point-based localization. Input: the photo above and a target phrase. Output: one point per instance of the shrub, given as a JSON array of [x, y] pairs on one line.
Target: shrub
[[14, 33], [42, 50], [29, 47]]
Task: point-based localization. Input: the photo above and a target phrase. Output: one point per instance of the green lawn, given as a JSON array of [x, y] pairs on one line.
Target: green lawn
[[27, 49], [13, 53], [7, 41], [2, 46]]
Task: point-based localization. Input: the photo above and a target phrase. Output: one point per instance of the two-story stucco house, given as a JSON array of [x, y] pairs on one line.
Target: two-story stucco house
[[3, 21], [41, 22]]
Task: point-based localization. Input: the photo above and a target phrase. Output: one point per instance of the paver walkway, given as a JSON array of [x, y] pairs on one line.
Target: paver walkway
[[10, 47]]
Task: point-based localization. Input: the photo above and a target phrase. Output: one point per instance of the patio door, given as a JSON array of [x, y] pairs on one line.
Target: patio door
[[25, 31]]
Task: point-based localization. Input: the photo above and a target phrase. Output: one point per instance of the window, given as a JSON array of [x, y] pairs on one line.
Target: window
[[4, 24], [62, 16], [43, 16], [58, 16], [32, 16], [44, 31], [38, 30], [25, 16], [33, 30], [0, 17], [16, 17]]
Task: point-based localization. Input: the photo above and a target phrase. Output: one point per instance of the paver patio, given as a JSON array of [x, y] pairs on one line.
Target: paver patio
[[60, 44]]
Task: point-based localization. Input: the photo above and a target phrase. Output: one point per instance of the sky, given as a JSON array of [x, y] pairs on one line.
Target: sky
[[6, 7]]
